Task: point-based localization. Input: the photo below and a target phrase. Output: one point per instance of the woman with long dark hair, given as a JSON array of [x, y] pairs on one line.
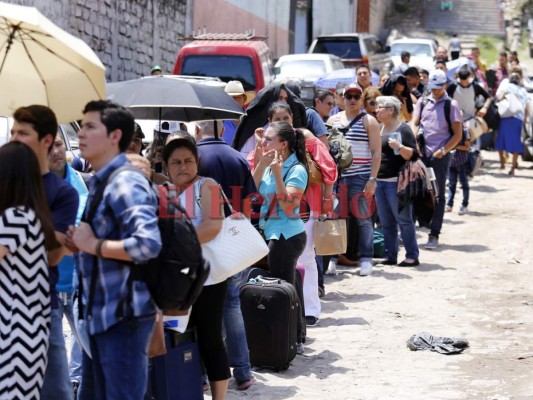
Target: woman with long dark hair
[[26, 234]]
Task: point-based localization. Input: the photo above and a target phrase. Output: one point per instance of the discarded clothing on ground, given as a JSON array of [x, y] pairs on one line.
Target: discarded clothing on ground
[[443, 345]]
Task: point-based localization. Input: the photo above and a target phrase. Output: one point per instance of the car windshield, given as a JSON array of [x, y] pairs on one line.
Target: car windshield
[[302, 68], [415, 49], [227, 68], [347, 48]]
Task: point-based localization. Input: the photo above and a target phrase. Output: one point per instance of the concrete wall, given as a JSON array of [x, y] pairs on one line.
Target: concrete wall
[[129, 36], [330, 17]]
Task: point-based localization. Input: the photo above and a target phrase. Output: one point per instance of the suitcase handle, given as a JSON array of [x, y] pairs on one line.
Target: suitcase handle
[[267, 280]]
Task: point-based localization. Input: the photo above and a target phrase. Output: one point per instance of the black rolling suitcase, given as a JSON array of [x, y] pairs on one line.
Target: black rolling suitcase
[[270, 309]]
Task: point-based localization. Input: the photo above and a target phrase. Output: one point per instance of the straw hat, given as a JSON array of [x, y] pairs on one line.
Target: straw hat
[[235, 88]]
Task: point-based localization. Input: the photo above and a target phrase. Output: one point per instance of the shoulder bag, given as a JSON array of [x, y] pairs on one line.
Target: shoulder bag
[[509, 106], [237, 246]]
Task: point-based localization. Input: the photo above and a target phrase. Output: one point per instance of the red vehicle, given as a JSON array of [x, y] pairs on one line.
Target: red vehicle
[[229, 57]]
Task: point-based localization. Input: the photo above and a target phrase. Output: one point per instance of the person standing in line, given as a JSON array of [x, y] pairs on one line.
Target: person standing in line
[[26, 234], [363, 75], [339, 98], [323, 103], [359, 180], [57, 162], [398, 146], [438, 142], [218, 160], [242, 98], [123, 229], [36, 126], [510, 130], [201, 198]]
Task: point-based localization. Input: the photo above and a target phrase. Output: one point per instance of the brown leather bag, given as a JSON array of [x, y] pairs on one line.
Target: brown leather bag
[[157, 342], [315, 174]]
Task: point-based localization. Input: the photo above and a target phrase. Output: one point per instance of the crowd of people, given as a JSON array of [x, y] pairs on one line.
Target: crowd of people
[[58, 238]]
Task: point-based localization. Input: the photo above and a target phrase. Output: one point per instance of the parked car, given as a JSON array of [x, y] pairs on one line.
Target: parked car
[[355, 49], [228, 57], [306, 69], [422, 52], [67, 131]]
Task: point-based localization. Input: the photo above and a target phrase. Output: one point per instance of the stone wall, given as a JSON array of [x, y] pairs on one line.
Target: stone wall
[[129, 36]]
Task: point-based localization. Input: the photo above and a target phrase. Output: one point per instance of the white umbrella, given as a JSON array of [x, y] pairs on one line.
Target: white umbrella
[[42, 64]]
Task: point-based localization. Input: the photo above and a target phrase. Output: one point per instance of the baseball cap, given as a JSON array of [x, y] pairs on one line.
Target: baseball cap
[[167, 127], [156, 68], [437, 79], [353, 88]]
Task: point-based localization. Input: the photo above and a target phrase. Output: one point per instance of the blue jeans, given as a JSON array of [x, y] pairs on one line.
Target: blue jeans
[[119, 367], [440, 168], [360, 208], [237, 346], [387, 204], [454, 174], [65, 307], [56, 385]]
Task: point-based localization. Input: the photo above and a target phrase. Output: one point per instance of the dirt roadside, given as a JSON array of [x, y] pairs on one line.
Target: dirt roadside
[[477, 285]]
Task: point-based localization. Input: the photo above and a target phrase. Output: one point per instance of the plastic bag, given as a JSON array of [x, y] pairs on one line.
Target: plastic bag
[[443, 345]]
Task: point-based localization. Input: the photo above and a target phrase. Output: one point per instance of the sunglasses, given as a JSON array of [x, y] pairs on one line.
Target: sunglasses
[[349, 96], [372, 103]]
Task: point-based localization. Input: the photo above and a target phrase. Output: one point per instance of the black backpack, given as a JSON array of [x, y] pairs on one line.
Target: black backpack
[[175, 278]]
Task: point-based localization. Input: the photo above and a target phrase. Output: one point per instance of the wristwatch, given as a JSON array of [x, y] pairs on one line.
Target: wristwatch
[[443, 149], [372, 179]]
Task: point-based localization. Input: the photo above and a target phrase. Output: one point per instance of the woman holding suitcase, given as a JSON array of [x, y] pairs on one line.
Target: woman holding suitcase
[[281, 176]]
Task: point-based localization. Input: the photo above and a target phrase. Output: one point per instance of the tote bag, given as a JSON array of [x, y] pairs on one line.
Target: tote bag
[[509, 106], [330, 237], [237, 246]]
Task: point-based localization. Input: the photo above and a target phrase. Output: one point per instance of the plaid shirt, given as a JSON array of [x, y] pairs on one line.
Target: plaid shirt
[[127, 212]]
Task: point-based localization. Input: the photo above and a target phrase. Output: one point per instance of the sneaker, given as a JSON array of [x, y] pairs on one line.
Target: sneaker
[[311, 321], [332, 268], [321, 291], [433, 243], [448, 209], [366, 268], [300, 348], [463, 210], [246, 384]]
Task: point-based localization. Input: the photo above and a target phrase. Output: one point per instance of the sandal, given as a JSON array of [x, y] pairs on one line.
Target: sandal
[[511, 171]]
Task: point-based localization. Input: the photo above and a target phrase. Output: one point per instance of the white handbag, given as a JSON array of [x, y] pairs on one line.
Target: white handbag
[[509, 106], [237, 246]]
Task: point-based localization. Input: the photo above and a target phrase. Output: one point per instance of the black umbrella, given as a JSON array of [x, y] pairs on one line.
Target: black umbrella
[[165, 98]]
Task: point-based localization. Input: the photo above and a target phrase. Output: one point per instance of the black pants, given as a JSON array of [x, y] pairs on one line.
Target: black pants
[[206, 316], [282, 256]]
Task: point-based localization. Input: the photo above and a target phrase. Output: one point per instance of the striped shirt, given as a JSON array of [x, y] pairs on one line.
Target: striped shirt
[[357, 137]]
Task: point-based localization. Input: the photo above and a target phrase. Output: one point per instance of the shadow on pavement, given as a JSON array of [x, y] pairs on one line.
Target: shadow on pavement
[[486, 189], [425, 267], [343, 321], [393, 276], [470, 248], [306, 365]]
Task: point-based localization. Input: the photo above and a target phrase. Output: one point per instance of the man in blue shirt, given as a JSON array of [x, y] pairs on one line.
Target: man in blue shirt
[[57, 161], [121, 313], [227, 166], [36, 126]]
